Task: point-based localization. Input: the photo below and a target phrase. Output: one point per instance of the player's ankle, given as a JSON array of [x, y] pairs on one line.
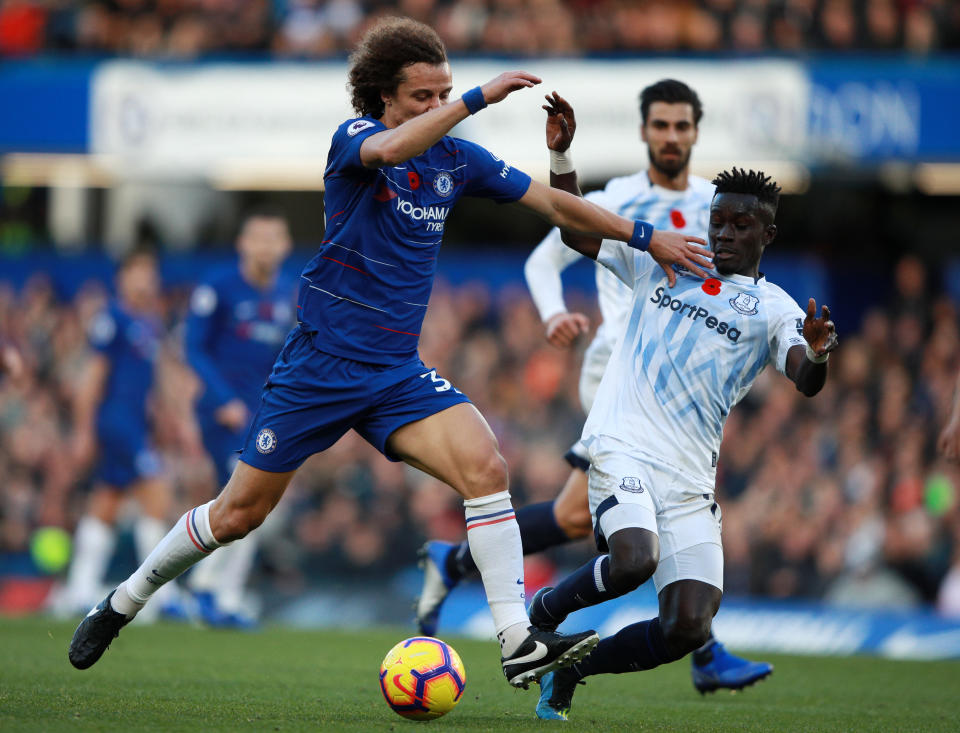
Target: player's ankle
[[511, 638], [121, 602]]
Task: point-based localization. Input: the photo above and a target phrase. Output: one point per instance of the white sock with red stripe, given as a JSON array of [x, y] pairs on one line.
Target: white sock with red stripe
[[494, 538], [187, 543]]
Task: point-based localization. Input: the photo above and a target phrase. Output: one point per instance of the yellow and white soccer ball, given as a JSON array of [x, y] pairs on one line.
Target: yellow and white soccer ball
[[422, 678]]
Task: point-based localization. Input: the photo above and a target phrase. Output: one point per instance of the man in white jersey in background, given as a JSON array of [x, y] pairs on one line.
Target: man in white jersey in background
[[688, 355], [671, 199]]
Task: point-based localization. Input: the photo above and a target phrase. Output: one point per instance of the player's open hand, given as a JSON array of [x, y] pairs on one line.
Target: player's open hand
[[820, 333], [674, 248], [562, 329], [561, 122], [496, 90]]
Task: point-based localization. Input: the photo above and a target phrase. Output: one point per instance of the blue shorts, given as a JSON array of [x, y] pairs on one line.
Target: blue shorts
[[312, 398], [125, 455], [222, 444]]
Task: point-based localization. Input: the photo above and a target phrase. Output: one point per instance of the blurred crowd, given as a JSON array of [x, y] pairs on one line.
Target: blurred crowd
[[186, 29], [841, 497]]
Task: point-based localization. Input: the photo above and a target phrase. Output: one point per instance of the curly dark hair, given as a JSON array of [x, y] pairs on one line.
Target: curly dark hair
[[670, 91], [754, 183], [377, 64]]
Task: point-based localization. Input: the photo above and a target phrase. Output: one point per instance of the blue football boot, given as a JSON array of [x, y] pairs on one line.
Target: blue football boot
[[556, 694], [212, 615], [437, 584], [715, 668]]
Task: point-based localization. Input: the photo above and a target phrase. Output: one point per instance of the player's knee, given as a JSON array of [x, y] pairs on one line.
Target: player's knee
[[629, 570], [236, 522], [686, 631], [486, 475]]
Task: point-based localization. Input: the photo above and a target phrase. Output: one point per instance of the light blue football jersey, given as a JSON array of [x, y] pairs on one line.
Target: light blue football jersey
[[687, 355]]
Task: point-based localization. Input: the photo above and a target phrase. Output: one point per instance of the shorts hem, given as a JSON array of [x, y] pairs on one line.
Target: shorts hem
[[381, 445], [690, 547], [283, 468]]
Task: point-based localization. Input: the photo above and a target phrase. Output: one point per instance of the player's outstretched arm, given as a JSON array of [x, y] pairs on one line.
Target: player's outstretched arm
[[807, 365], [408, 140], [570, 212], [949, 441]]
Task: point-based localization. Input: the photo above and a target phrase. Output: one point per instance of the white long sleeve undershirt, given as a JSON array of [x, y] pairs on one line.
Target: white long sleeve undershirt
[[542, 272]]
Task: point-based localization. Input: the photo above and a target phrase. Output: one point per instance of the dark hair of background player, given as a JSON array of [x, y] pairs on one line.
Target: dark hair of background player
[[670, 91], [377, 65]]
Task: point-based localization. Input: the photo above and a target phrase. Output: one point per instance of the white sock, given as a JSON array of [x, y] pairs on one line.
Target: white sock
[[148, 532], [92, 549], [187, 543], [494, 538]]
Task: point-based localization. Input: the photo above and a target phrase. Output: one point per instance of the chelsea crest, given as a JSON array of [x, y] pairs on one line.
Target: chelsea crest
[[443, 183], [266, 441]]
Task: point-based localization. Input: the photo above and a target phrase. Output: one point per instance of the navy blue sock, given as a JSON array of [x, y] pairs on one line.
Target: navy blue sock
[[635, 647], [586, 586], [538, 531]]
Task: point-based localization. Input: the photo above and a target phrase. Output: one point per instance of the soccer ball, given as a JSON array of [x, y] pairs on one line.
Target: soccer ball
[[422, 678]]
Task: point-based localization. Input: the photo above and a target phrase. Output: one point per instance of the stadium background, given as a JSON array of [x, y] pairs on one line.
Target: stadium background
[[131, 122]]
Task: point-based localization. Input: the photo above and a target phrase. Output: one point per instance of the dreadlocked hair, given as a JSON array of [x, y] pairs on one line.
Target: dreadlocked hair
[[377, 65], [755, 183]]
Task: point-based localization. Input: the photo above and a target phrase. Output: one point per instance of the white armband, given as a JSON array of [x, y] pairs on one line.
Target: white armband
[[812, 356], [561, 163]]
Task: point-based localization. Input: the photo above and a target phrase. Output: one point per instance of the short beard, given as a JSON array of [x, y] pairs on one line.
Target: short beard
[[670, 171]]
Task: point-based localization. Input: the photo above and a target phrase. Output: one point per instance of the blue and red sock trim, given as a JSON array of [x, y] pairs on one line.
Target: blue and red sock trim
[[194, 533], [483, 520]]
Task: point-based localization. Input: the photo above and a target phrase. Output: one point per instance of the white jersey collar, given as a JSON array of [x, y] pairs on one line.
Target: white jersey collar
[[743, 279]]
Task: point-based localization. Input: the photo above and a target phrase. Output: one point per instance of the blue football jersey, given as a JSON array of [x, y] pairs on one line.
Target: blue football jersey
[[234, 331], [364, 295], [130, 342]]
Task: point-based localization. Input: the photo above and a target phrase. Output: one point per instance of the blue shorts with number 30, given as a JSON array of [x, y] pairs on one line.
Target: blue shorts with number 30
[[312, 398]]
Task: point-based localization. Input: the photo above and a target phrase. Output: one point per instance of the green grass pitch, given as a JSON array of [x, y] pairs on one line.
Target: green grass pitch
[[176, 678]]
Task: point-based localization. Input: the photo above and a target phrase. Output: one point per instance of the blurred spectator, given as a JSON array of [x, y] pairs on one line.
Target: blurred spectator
[[322, 28]]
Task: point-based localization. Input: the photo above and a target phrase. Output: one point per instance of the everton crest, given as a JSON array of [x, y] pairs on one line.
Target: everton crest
[[745, 304]]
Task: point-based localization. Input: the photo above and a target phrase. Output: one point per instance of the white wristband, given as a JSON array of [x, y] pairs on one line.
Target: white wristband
[[812, 356], [561, 163]]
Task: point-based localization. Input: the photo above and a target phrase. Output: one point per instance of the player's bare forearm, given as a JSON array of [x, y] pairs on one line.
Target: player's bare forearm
[[568, 182], [807, 365], [579, 216], [88, 392], [406, 141], [807, 375]]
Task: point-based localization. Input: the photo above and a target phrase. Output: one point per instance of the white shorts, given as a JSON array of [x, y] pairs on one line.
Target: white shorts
[[595, 360], [627, 490]]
